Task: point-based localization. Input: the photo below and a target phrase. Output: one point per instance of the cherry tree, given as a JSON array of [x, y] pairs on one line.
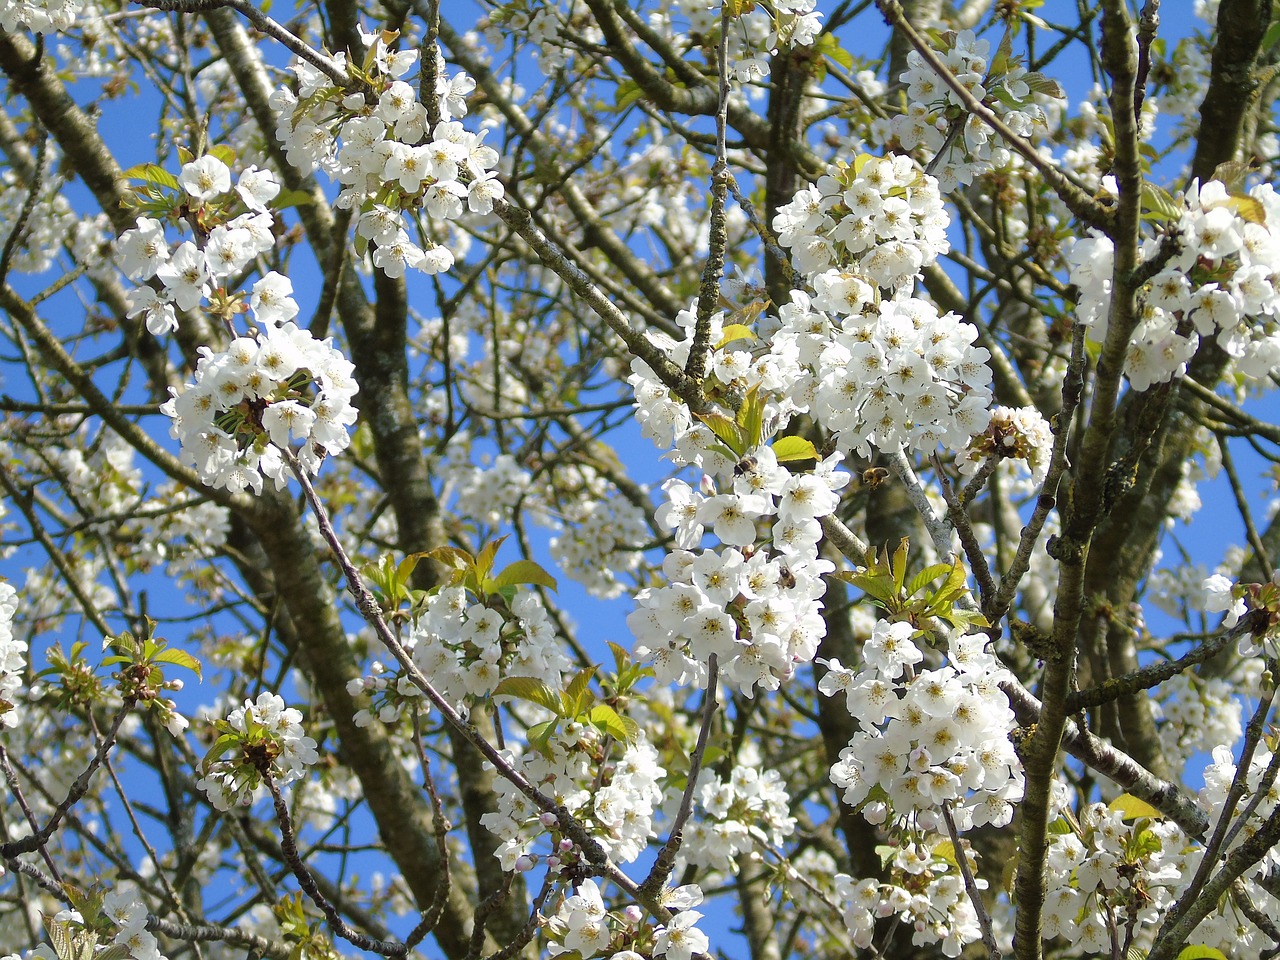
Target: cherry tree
[[678, 479]]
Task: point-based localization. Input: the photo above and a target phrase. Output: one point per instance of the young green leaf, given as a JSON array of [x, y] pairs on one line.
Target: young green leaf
[[527, 688]]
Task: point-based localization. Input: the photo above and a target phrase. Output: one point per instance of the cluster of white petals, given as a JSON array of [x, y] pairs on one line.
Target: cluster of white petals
[[13, 658], [1218, 284], [926, 891], [45, 228], [276, 394], [870, 363], [755, 601], [1014, 433], [879, 218], [615, 803], [748, 811], [934, 109], [127, 911], [927, 737], [888, 373], [38, 16], [1115, 868], [386, 156], [267, 733], [189, 273], [931, 743], [467, 648], [583, 926]]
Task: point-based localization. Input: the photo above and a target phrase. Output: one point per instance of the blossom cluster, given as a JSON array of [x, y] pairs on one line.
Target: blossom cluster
[[1013, 433], [879, 218], [13, 659], [1217, 284], [277, 394], [925, 889], [927, 737], [1260, 786], [1110, 869], [46, 227], [582, 925], [127, 911], [615, 802], [263, 737], [599, 540], [467, 648], [893, 374], [192, 272], [756, 607], [388, 159], [932, 744], [38, 16], [749, 809], [758, 610], [961, 144], [888, 372]]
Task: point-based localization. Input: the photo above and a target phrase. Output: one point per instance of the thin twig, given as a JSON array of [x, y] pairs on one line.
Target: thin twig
[[289, 849], [666, 859], [970, 885]]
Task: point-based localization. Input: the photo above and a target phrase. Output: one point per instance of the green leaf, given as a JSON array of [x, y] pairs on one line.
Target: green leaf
[[875, 585], [1000, 65], [945, 851], [484, 562], [452, 557], [220, 746], [540, 734], [964, 618], [1232, 172], [223, 153], [726, 430], [179, 658], [1244, 207], [626, 93], [405, 568], [607, 720], [292, 198], [522, 571], [1269, 40], [1039, 83], [951, 590], [1201, 951], [734, 331], [578, 696], [751, 419], [1060, 827], [829, 46], [927, 576], [153, 173], [527, 688], [899, 563], [621, 656], [787, 449], [1132, 807], [1159, 203]]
